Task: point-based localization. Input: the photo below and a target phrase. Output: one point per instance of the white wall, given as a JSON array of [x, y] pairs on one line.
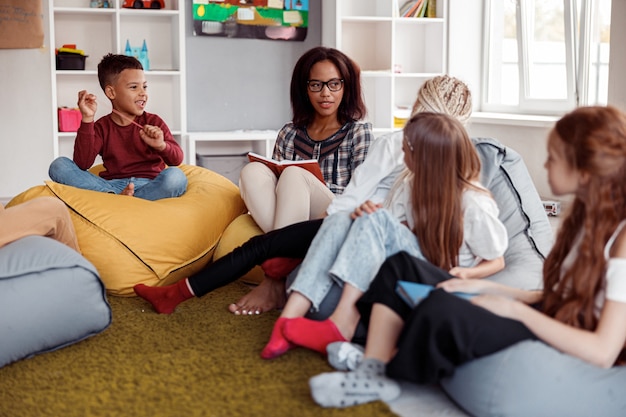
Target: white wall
[[528, 141], [25, 116], [617, 71]]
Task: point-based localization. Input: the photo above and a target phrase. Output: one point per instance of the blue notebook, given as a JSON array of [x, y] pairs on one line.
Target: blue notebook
[[412, 292]]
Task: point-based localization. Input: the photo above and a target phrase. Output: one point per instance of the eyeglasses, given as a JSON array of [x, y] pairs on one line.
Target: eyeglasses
[[315, 86]]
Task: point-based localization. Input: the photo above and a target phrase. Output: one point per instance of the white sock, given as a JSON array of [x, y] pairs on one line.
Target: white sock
[[343, 389], [344, 356]]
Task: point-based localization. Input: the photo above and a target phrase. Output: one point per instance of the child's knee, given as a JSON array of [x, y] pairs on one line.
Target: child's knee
[[60, 164], [175, 178]]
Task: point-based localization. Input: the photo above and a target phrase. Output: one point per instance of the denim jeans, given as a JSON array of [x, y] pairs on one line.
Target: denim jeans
[[346, 251], [171, 182]]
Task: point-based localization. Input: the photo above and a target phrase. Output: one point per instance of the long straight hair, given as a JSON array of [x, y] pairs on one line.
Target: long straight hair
[[594, 143], [443, 163]]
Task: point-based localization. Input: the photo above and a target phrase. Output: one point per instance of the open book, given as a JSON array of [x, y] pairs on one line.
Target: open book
[[277, 167], [412, 292]]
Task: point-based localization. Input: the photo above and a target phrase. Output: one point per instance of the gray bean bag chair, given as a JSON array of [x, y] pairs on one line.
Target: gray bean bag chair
[[50, 297]]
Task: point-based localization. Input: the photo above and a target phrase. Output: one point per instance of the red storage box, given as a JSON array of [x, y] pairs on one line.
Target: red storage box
[[69, 119]]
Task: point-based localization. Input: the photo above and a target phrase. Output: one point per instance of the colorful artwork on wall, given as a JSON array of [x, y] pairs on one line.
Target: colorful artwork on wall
[[285, 20]]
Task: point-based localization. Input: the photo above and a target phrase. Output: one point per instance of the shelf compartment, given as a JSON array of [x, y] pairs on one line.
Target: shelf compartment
[[376, 91], [422, 49], [405, 90], [372, 8], [368, 43], [160, 31], [70, 30], [75, 81]]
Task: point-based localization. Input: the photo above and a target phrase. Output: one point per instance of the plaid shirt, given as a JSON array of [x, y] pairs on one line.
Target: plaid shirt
[[338, 155]]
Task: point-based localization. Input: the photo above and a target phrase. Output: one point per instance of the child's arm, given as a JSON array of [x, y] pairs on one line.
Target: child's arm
[[600, 347], [87, 104], [87, 144], [157, 135], [482, 286], [484, 269]]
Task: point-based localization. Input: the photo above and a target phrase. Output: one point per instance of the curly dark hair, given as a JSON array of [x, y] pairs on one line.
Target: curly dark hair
[[112, 65], [352, 106]]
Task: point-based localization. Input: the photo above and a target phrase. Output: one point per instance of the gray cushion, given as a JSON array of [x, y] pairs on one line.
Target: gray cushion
[[533, 379], [530, 233], [50, 297]]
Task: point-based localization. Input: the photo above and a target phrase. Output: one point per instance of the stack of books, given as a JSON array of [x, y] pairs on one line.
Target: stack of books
[[418, 8]]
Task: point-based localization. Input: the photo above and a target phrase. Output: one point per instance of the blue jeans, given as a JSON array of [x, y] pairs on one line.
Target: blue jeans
[[347, 251], [171, 182]]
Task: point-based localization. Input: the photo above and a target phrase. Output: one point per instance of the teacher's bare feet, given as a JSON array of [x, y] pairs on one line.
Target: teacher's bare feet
[[268, 295]]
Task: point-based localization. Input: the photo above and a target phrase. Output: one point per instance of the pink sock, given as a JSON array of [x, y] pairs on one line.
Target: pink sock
[[312, 334], [277, 345], [164, 299]]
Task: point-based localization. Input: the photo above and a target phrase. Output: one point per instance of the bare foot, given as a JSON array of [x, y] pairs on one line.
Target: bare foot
[[129, 190], [268, 295]]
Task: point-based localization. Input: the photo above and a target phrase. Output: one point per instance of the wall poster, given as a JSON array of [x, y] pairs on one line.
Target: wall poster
[[21, 24], [285, 20]]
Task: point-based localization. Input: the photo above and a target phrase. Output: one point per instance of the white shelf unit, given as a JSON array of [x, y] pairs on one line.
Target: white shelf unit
[[395, 54], [263, 139], [99, 31]]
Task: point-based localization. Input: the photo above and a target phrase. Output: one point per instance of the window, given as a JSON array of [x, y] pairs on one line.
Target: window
[[546, 56]]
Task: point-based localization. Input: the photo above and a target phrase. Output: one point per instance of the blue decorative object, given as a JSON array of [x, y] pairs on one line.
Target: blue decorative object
[[100, 4], [141, 53]]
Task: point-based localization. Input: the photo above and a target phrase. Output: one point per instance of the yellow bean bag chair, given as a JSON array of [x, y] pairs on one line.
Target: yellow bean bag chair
[[238, 232], [131, 240]]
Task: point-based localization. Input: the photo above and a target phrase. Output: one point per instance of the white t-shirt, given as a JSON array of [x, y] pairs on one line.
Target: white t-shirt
[[614, 286], [484, 236], [615, 277]]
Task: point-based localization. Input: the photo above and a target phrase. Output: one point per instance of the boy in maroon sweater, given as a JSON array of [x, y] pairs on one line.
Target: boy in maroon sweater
[[138, 150]]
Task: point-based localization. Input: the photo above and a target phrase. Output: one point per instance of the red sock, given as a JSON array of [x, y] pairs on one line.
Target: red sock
[[279, 268], [164, 299], [277, 345], [312, 334]]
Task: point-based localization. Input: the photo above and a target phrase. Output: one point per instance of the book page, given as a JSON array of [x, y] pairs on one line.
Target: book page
[[277, 167]]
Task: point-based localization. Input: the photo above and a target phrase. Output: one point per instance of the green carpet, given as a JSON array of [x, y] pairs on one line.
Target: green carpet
[[199, 361]]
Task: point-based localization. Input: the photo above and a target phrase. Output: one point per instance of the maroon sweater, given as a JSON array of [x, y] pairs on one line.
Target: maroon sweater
[[123, 153]]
